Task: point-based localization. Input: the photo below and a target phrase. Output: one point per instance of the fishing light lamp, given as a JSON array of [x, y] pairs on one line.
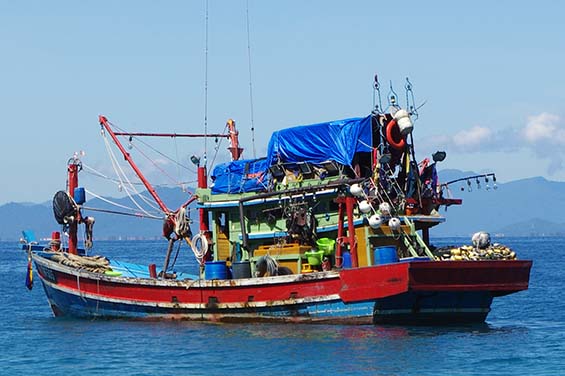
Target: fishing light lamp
[[195, 160]]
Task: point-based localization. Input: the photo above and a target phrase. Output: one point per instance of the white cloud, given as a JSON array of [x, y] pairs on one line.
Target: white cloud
[[475, 139], [543, 127], [472, 139], [542, 134]]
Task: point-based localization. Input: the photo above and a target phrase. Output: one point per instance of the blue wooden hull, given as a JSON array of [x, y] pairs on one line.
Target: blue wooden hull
[[401, 293], [65, 304]]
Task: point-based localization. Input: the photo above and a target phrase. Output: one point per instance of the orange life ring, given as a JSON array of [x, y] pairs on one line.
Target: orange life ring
[[395, 144]]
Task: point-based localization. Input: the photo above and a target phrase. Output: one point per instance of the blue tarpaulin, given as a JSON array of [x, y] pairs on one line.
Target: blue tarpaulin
[[336, 140], [240, 176]]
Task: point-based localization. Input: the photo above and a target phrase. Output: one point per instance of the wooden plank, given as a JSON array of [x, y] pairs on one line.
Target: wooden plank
[[363, 252]]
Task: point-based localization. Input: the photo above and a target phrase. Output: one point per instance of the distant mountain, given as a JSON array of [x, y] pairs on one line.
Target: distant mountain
[[523, 207], [15, 217], [510, 210], [533, 227]]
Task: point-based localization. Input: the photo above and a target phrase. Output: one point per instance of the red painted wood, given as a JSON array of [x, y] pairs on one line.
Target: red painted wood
[[203, 183], [373, 282], [72, 172], [172, 135], [352, 285], [349, 204], [508, 276], [260, 292]]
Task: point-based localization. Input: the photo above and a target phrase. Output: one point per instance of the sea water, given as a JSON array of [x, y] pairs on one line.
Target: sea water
[[524, 334]]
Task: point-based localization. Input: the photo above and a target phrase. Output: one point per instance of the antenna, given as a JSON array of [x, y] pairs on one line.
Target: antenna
[[392, 96], [410, 102], [377, 90], [206, 88], [250, 81]]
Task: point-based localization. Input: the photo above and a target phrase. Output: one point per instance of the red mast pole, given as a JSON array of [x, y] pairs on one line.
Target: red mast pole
[[349, 204], [150, 189], [203, 183], [72, 173]]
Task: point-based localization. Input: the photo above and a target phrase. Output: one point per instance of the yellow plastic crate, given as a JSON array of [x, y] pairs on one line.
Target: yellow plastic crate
[[282, 250]]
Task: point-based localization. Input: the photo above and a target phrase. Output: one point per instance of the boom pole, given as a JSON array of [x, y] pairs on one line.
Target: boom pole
[[173, 135]]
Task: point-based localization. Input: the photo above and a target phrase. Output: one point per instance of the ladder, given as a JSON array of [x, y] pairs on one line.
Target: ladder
[[413, 240]]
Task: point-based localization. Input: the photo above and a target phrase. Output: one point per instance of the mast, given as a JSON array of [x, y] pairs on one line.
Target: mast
[[73, 168], [203, 183]]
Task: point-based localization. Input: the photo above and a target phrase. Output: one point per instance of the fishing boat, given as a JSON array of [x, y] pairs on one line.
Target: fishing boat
[[331, 226]]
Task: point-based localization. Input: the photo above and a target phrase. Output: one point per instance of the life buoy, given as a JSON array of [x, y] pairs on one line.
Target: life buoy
[[395, 144]]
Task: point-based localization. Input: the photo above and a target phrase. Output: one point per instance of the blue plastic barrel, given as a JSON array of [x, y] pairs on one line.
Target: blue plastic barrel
[[346, 260], [385, 255], [215, 270], [79, 195]]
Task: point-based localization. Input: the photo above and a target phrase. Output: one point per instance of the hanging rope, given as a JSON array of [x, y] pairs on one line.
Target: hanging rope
[[182, 224], [165, 173], [137, 215], [92, 171], [120, 173], [250, 80], [199, 246], [178, 167], [119, 206], [172, 160], [217, 147]]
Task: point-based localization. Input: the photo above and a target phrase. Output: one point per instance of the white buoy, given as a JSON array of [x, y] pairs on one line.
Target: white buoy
[[384, 208], [394, 224], [364, 206], [404, 122], [375, 221], [481, 239], [356, 190]]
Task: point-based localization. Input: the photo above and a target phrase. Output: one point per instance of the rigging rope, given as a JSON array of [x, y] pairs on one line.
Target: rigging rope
[[175, 161], [120, 172], [217, 148], [114, 203], [138, 215], [133, 189], [157, 166], [99, 174], [178, 167], [250, 80]]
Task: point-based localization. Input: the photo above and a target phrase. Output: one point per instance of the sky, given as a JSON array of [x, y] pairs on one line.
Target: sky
[[490, 76]]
